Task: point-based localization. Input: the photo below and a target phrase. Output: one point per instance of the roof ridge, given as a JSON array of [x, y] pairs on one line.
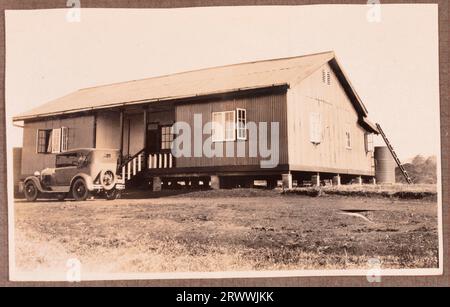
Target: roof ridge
[[331, 52], [253, 74]]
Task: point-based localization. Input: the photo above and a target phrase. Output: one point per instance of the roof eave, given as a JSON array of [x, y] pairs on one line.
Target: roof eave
[[132, 103], [348, 88], [368, 125]]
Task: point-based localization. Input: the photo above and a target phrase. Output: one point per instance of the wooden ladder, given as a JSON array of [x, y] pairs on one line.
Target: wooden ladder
[[394, 155]]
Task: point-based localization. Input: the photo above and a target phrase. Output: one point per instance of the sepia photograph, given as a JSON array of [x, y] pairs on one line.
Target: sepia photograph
[[223, 142]]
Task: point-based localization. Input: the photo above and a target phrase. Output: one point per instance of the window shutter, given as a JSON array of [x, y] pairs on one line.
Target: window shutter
[[230, 123], [56, 140], [64, 139], [315, 133], [218, 128], [369, 142], [50, 142], [348, 137]]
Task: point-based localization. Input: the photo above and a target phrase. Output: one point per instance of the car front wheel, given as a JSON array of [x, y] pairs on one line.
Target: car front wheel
[[31, 191], [80, 191]]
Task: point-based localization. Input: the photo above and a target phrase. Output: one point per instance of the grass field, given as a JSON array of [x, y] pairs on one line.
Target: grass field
[[402, 191], [232, 230]]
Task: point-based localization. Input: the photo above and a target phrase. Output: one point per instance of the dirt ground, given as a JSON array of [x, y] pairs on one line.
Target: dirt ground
[[226, 230]]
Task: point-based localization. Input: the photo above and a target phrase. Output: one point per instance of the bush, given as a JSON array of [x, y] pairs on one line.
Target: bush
[[421, 170]]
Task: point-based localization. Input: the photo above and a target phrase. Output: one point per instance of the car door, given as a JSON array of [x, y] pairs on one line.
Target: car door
[[66, 168]]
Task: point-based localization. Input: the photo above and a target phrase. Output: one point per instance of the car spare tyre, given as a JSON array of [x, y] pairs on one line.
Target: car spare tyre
[[108, 179]]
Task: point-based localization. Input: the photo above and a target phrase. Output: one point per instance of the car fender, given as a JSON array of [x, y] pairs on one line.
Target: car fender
[[36, 181], [88, 179]]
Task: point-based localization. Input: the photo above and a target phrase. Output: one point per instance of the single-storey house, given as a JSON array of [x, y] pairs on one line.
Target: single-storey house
[[323, 127]]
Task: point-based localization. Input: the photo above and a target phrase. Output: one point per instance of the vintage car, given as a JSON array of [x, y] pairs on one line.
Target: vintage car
[[80, 173]]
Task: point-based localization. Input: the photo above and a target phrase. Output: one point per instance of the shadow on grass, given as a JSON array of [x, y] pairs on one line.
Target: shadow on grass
[[143, 194], [356, 210], [139, 193], [129, 194]]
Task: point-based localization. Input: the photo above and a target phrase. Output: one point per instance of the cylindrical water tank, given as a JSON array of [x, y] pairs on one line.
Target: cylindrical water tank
[[384, 165]]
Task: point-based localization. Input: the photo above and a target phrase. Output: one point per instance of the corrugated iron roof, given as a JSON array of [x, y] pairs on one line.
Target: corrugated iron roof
[[202, 82]]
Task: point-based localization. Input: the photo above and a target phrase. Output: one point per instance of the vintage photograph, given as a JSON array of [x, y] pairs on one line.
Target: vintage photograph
[[215, 142]]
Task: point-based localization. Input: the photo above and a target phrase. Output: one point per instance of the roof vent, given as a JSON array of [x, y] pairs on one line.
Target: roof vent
[[326, 77]]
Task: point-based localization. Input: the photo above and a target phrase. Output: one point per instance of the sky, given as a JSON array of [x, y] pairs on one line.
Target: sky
[[393, 64]]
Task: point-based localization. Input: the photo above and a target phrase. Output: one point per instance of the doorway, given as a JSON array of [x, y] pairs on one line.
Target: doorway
[[153, 138]]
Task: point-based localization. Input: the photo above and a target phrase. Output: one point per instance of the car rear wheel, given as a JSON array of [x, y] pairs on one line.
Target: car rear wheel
[[31, 191], [80, 191]]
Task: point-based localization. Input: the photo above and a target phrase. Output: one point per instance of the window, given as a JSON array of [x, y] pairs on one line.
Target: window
[[241, 124], [44, 144], [369, 142], [348, 140], [66, 160], [315, 128], [52, 140], [166, 137], [223, 126], [64, 139]]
